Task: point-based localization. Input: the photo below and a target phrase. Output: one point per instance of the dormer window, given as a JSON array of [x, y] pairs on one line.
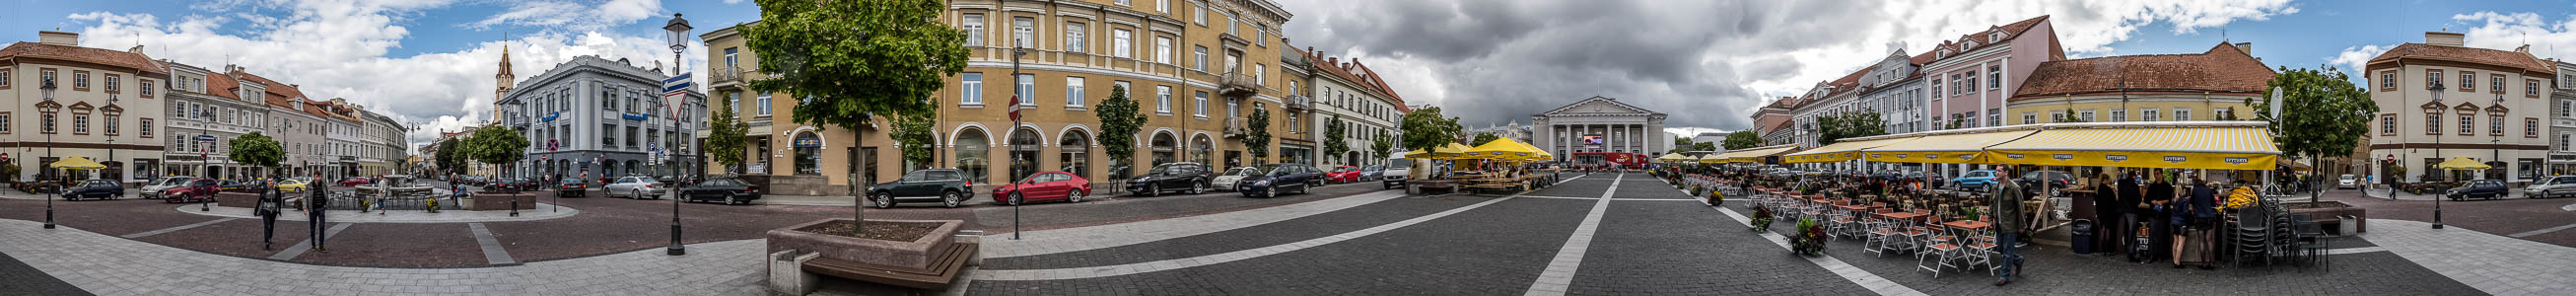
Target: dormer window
[[1997, 36]]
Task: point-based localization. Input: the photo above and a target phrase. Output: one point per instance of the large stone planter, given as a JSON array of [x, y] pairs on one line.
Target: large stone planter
[[236, 199], [2327, 212], [495, 201], [911, 255]]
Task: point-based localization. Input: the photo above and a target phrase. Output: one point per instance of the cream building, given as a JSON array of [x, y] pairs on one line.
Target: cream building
[[2441, 99], [72, 101]]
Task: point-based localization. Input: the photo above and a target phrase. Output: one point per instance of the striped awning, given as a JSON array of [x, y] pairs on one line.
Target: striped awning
[[1949, 147], [1845, 150], [1754, 154], [2182, 145]]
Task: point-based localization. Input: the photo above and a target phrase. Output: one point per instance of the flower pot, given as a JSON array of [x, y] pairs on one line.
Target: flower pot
[[912, 254]]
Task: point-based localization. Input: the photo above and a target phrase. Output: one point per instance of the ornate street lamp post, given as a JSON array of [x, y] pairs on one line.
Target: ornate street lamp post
[[679, 39]]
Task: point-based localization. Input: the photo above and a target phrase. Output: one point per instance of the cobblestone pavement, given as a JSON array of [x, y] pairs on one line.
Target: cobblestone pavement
[[109, 265], [2541, 220]]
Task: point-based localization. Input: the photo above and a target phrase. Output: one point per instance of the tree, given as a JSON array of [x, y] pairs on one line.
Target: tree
[[1119, 121], [1425, 129], [1382, 145], [2324, 114], [1334, 144], [854, 59], [1257, 141], [1742, 139], [451, 156], [1482, 138], [1850, 125], [725, 138], [912, 135], [1682, 142], [1703, 146], [257, 149], [2070, 117], [496, 145]]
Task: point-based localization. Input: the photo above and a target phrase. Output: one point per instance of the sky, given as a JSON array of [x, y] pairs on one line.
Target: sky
[[1706, 63]]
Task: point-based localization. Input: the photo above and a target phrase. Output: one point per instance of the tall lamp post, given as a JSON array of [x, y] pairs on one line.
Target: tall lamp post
[[2496, 139], [48, 87], [2437, 154], [679, 38]]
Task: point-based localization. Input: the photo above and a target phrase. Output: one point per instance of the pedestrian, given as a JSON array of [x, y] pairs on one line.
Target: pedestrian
[[2106, 207], [2006, 214], [317, 203], [2134, 210], [2203, 209], [267, 211], [2161, 218]]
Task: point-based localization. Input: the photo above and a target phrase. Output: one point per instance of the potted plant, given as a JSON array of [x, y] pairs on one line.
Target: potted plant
[[1761, 219], [1810, 238]]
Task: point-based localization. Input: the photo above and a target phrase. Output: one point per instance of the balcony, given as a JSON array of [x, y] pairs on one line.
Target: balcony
[[723, 77], [1233, 41], [1300, 103], [1237, 127], [1237, 84]]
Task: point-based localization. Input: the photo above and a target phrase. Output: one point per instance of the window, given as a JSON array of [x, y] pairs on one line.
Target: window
[[111, 125], [2056, 116], [80, 123], [2432, 123], [1202, 104], [1260, 75], [2468, 81], [971, 93], [2388, 124], [733, 59], [1994, 77], [1163, 50], [1027, 92], [2495, 125], [1073, 41], [2530, 127], [1200, 17], [607, 134], [2495, 83], [4, 78], [48, 119], [2468, 125], [2229, 112], [608, 98], [1119, 44], [147, 87], [2029, 117], [1994, 117], [112, 80], [1971, 85], [761, 103], [1936, 86], [1201, 58], [2182, 114], [1073, 92], [80, 80], [2567, 108], [2118, 115], [5, 123], [1163, 99], [1163, 6], [146, 125], [1125, 3], [974, 23], [2432, 79], [2149, 114], [1024, 32], [2530, 88]]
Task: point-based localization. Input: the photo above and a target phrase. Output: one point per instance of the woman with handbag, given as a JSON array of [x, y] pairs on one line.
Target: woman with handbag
[[267, 211]]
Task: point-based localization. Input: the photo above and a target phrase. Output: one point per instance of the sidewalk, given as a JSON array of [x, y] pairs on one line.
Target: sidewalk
[[114, 266], [806, 200], [2383, 193]]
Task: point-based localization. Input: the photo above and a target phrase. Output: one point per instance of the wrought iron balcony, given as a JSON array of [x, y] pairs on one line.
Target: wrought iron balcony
[[1237, 127], [1300, 103], [1238, 84]]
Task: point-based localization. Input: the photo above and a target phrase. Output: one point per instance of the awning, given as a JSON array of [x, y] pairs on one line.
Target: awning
[[2187, 145], [1754, 154], [1845, 150], [76, 163], [1962, 146], [1504, 149], [2462, 164]]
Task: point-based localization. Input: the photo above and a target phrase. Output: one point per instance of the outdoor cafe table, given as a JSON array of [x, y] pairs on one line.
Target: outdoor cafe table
[[1908, 216], [1965, 225]]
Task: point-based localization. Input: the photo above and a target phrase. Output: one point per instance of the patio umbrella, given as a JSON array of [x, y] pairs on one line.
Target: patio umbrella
[[1446, 151], [77, 163], [1504, 149], [2461, 163]]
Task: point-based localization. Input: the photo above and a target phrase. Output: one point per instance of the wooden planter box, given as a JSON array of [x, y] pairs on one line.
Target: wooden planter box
[[494, 201], [236, 199], [2326, 216]]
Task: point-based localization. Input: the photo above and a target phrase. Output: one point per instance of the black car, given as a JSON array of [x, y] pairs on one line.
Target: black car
[[1281, 175], [2052, 180], [948, 186], [726, 190], [2489, 189], [571, 187], [1190, 177], [506, 184], [94, 189], [526, 184]]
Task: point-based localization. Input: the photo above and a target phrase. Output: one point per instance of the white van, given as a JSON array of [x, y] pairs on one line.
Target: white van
[[1398, 169]]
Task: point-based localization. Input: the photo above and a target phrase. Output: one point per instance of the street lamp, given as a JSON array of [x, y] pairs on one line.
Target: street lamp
[[48, 87], [679, 38], [2437, 154]]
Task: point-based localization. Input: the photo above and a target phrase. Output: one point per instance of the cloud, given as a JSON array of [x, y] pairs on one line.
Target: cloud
[[2353, 59], [338, 49], [571, 15], [1707, 63], [2505, 31]]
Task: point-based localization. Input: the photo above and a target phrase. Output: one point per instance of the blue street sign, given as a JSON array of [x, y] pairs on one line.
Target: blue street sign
[[206, 138]]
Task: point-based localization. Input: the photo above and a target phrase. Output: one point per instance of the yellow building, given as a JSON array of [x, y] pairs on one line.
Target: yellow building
[[1196, 70], [2206, 86]]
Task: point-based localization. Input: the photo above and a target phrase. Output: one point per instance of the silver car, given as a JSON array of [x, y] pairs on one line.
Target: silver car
[[635, 187], [2555, 186]]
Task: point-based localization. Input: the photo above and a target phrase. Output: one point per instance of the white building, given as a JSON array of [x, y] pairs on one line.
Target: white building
[[1367, 106], [1600, 124], [71, 101], [2441, 99]]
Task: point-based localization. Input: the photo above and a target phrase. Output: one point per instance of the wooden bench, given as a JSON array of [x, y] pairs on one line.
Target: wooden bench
[[942, 272]]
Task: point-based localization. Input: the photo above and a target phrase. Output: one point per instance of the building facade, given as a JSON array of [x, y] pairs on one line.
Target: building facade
[[1600, 124], [1366, 105], [595, 117], [2441, 99], [2208, 86], [2562, 125], [81, 102]]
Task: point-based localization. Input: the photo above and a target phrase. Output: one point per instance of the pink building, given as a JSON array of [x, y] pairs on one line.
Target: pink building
[[1970, 76]]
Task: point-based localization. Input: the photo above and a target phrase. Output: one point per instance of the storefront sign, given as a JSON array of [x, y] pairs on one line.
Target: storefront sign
[[808, 142]]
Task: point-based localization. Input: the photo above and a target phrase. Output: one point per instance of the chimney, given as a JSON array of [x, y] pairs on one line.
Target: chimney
[[2525, 49], [137, 49], [2247, 47], [2445, 39], [58, 38]]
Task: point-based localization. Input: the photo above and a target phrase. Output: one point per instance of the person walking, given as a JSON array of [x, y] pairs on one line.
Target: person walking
[[268, 211], [2106, 208], [2006, 214], [2200, 209], [2161, 219], [2134, 209], [317, 203]]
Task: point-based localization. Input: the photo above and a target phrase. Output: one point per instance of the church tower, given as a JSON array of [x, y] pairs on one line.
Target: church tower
[[501, 82]]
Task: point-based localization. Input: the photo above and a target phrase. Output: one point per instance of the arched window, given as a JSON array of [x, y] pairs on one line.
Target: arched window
[[634, 168], [606, 168], [1201, 148], [971, 153], [1163, 148], [1024, 152], [809, 153], [1074, 150]]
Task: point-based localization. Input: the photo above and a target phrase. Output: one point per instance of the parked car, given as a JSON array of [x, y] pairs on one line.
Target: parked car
[[1343, 174], [94, 189], [525, 183], [2348, 181], [153, 190], [354, 181], [727, 190], [1190, 177], [1278, 175], [292, 185], [1975, 179], [1397, 171], [571, 187], [2487, 188], [197, 190], [1233, 177], [2550, 187], [2052, 180], [948, 186], [635, 187], [1044, 186], [252, 185], [1372, 173]]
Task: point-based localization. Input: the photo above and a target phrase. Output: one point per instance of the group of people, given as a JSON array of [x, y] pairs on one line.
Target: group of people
[[2151, 219], [272, 203], [2004, 210]]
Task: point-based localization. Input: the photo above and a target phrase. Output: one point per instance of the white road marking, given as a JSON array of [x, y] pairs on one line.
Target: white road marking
[[181, 227], [1559, 275], [1854, 274]]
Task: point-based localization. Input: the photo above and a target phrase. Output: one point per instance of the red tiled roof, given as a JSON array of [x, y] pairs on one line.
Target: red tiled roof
[[2509, 59], [1365, 77], [280, 95], [2223, 68], [223, 86], [84, 54], [2011, 31]]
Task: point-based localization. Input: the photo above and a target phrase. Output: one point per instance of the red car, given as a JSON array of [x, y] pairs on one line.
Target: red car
[[199, 190], [1343, 174], [354, 182], [1047, 185]]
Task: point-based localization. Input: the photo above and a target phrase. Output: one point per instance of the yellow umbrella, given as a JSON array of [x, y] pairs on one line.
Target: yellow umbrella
[[2461, 163], [1504, 149], [1445, 151], [1672, 157], [77, 163]]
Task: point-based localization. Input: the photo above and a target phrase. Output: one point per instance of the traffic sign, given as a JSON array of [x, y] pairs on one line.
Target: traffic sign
[[206, 138]]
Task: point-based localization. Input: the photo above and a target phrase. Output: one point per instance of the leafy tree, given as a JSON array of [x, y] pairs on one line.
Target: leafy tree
[[1482, 138], [496, 145], [2324, 114], [257, 149], [1703, 146], [1682, 142], [913, 134], [1257, 141], [1119, 121], [1742, 139], [852, 59], [1850, 125], [725, 141], [9, 172], [451, 156], [1426, 129], [2071, 118], [1334, 144], [1382, 145]]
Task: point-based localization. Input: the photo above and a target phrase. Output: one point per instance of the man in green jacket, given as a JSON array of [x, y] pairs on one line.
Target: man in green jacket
[[2006, 214]]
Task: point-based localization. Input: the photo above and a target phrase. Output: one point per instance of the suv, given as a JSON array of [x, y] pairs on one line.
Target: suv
[[1975, 179], [948, 186], [1299, 175], [1189, 177], [1396, 171], [2547, 187], [2490, 189]]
